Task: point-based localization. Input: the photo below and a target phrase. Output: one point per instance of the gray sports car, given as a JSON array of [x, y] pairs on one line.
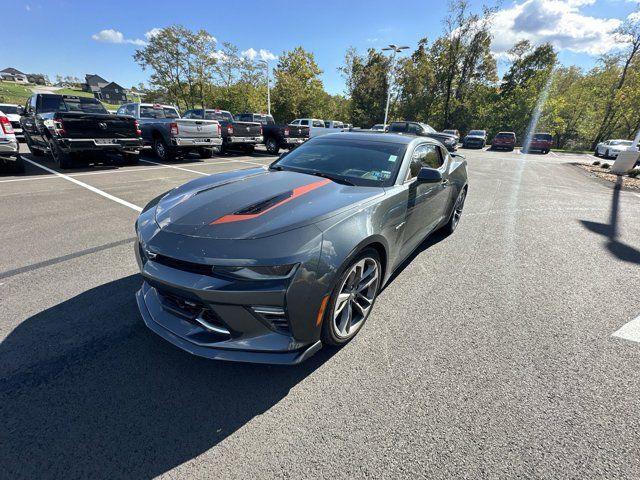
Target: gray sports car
[[268, 264]]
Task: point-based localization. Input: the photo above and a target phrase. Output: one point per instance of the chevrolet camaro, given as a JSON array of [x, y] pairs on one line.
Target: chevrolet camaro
[[268, 264]]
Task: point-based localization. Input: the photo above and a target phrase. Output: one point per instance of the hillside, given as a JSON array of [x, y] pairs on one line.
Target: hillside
[[15, 93]]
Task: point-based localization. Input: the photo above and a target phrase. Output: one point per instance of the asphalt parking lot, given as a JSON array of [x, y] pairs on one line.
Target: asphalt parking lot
[[490, 354]]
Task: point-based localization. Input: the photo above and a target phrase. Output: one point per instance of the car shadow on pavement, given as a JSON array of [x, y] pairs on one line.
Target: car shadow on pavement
[[619, 249], [87, 391]]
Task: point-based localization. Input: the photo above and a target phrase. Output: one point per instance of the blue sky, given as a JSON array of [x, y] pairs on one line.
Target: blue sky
[[55, 37]]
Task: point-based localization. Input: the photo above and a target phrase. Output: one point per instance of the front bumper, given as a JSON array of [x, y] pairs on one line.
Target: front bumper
[[100, 144], [196, 142], [473, 143]]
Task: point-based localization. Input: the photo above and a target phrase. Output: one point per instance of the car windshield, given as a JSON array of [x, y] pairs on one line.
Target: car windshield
[[9, 109], [543, 136], [363, 163], [625, 143], [428, 128], [55, 103], [148, 111], [450, 132], [218, 115], [477, 132]]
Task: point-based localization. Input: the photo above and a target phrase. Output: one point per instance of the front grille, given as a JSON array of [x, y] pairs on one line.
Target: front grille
[[191, 267]]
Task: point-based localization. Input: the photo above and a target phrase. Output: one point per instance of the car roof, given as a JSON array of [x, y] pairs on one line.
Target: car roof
[[380, 137]]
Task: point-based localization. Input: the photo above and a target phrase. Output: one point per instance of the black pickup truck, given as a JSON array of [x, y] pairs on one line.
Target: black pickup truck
[[77, 128], [277, 136], [235, 135]]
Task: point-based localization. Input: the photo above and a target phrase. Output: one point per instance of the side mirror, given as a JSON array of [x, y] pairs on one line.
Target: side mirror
[[429, 175], [457, 155]]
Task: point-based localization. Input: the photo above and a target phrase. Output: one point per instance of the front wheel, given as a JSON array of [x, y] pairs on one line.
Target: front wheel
[[596, 153], [272, 146], [352, 298], [456, 213], [606, 154]]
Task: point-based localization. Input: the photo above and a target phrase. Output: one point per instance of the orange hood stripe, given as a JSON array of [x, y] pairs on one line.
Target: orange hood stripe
[[295, 193]]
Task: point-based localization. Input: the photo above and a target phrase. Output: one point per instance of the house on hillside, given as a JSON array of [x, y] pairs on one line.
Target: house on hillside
[[14, 75], [104, 90]]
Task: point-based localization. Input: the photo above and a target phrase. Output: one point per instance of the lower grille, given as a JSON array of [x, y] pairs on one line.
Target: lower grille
[[194, 311], [276, 317]]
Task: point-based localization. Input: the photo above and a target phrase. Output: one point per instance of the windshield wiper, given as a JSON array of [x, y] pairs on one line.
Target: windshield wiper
[[336, 179]]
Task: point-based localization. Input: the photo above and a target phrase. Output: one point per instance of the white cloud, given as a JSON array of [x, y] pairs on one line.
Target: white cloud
[[559, 22], [114, 36], [152, 33], [252, 54], [634, 17], [218, 55]]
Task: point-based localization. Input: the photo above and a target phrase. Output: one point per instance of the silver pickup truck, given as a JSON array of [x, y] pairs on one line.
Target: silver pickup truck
[[171, 136]]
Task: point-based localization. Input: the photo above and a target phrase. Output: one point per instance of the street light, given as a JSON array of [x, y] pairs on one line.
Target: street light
[[394, 49], [266, 66]]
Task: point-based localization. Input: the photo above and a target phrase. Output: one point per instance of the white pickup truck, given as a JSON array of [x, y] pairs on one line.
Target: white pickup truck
[[170, 135], [316, 126]]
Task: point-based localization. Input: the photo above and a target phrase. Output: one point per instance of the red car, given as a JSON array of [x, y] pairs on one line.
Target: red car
[[541, 142], [506, 140]]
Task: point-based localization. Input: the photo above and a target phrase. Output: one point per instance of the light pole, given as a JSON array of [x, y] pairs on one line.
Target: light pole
[[266, 66], [394, 49]]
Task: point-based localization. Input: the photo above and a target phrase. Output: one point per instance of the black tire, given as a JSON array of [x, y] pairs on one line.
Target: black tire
[[595, 153], [272, 146], [35, 151], [606, 153], [456, 213], [131, 158], [205, 153], [330, 334], [163, 151], [62, 159], [13, 166]]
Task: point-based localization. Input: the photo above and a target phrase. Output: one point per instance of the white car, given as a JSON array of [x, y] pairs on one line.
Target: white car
[[333, 124], [316, 126], [13, 112], [379, 127], [10, 158], [611, 148]]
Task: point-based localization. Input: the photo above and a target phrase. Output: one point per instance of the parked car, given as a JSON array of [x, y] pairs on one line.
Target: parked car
[[316, 126], [539, 141], [379, 127], [453, 133], [276, 136], [171, 136], [72, 128], [505, 140], [333, 124], [608, 149], [424, 130], [475, 139], [13, 112], [10, 159], [236, 135], [267, 265]]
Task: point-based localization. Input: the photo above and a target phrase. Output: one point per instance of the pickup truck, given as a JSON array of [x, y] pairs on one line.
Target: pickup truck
[[171, 136], [235, 135], [277, 136], [74, 128], [423, 130], [316, 126]]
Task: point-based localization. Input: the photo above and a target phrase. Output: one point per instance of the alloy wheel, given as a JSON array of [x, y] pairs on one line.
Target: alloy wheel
[[357, 294], [457, 210]]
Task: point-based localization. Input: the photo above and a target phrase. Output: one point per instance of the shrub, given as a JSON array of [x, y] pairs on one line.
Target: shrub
[[596, 163], [605, 165]]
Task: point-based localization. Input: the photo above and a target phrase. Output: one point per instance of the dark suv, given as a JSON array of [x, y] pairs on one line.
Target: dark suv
[[424, 130]]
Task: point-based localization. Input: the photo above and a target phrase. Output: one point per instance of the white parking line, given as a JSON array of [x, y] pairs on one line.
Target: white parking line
[[87, 186], [629, 331], [553, 153], [173, 166]]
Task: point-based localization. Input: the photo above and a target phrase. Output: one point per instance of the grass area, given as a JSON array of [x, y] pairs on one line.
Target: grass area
[[15, 93]]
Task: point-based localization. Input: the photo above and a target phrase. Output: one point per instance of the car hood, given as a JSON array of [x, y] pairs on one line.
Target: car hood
[[255, 203]]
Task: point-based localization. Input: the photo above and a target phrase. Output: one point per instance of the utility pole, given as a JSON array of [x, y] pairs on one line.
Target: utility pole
[[394, 50]]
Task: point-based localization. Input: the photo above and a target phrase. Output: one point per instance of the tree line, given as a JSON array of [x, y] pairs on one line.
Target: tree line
[[449, 82]]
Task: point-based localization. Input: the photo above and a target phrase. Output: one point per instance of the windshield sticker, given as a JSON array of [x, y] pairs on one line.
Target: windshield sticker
[[393, 158]]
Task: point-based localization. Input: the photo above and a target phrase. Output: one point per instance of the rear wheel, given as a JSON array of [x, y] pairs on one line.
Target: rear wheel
[[205, 153], [272, 146], [456, 213], [163, 151], [13, 166], [62, 159], [352, 298]]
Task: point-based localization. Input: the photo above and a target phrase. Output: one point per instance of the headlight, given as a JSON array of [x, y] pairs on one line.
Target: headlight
[[272, 272]]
